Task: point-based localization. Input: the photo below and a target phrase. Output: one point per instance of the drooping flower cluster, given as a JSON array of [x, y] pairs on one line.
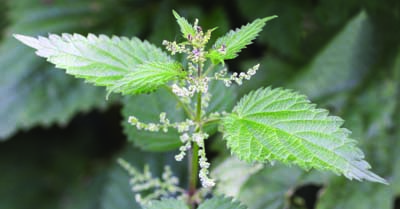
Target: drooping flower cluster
[[148, 188], [164, 124], [238, 78]]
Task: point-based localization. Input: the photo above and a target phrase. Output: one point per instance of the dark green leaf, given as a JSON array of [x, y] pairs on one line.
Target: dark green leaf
[[272, 187], [343, 194], [147, 108], [342, 64]]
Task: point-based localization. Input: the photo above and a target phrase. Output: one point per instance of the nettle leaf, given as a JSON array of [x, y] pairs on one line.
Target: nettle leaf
[[228, 46], [148, 77], [186, 28], [117, 63], [277, 124], [166, 204], [221, 202]]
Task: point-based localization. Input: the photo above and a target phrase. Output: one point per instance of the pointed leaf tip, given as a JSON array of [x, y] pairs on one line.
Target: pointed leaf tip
[[27, 40], [185, 26], [229, 46]]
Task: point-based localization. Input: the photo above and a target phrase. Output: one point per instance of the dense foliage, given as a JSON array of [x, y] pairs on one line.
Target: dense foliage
[[344, 55]]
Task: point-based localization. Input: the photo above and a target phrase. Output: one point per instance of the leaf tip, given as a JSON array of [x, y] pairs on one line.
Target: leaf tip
[[176, 15], [266, 19], [27, 40]]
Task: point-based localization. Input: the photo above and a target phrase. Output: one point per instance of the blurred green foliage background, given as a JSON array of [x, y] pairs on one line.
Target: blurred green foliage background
[[60, 137]]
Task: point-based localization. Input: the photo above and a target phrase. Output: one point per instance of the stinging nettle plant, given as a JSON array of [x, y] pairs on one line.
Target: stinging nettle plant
[[266, 125]]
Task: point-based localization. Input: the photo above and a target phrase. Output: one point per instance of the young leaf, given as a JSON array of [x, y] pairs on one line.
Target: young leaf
[[106, 61], [276, 124], [228, 46], [220, 202], [186, 28], [166, 204]]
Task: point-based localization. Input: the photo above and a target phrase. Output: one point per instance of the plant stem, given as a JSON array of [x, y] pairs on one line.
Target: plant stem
[[193, 170], [194, 152]]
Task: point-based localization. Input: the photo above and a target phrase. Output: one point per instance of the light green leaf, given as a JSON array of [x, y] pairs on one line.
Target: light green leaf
[[228, 46], [342, 64], [276, 124], [186, 28], [166, 204], [221, 202], [148, 77], [105, 61], [31, 92]]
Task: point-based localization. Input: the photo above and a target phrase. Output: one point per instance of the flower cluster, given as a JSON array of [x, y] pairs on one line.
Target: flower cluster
[[163, 125], [206, 181], [193, 86], [238, 78], [153, 188], [186, 145], [197, 138]]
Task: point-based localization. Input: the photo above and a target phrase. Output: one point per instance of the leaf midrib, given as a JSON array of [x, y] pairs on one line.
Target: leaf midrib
[[302, 139]]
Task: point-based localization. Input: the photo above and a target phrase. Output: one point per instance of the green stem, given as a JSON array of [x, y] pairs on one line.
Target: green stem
[[210, 121], [210, 69], [193, 171], [194, 153]]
